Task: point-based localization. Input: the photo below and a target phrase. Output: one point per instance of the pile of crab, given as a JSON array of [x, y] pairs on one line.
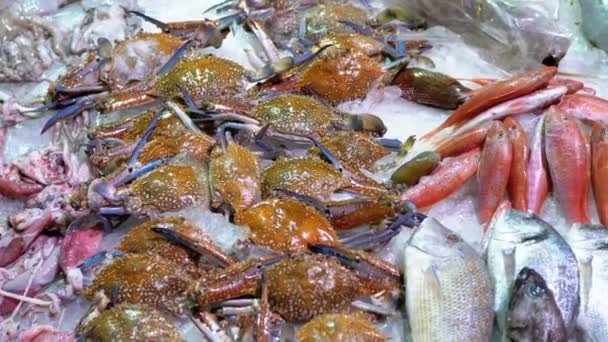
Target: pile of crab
[[182, 131]]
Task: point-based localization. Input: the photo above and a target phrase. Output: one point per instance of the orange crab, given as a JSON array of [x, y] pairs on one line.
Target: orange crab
[[304, 285], [155, 270]]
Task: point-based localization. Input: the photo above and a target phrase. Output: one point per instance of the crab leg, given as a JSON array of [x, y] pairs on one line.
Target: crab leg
[[599, 170], [538, 179], [389, 50], [140, 145], [263, 322], [569, 164], [450, 175], [493, 172], [518, 178], [371, 239], [526, 104], [496, 93]]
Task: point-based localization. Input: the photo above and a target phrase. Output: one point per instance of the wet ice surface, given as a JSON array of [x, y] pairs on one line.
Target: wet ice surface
[[402, 118]]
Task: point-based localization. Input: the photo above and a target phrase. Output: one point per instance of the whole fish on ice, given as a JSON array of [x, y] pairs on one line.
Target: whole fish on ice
[[516, 240], [449, 294]]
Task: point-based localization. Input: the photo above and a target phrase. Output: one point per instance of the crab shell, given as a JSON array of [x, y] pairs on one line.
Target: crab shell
[[308, 176], [127, 322], [287, 225], [170, 187]]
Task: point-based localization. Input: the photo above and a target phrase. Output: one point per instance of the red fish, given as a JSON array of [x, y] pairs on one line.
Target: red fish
[[599, 170], [538, 179], [569, 163], [497, 92], [494, 171], [518, 178], [450, 175]]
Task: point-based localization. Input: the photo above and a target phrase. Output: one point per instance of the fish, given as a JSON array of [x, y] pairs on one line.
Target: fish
[[533, 313], [538, 178], [590, 245], [518, 178], [569, 163], [518, 239], [447, 177], [599, 169], [493, 171], [495, 93], [449, 293]]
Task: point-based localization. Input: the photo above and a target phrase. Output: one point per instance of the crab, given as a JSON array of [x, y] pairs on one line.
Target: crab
[[112, 144], [157, 268], [303, 285], [128, 322]]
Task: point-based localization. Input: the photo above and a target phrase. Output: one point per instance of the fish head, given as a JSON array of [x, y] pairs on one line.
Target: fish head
[[515, 226], [557, 122], [532, 306], [588, 237], [433, 238]]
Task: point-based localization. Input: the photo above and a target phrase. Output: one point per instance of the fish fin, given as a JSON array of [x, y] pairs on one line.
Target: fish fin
[[509, 262], [432, 282], [586, 275]]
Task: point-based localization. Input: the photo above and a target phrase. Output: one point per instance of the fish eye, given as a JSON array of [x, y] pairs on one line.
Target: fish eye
[[536, 291]]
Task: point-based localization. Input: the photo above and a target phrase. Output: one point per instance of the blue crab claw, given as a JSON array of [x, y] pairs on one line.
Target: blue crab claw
[[307, 56], [131, 173], [263, 264], [173, 60], [272, 152], [161, 25], [327, 154], [205, 249], [190, 102], [304, 199], [390, 144], [97, 259], [370, 240], [144, 138], [365, 265], [222, 6], [81, 89], [81, 103]]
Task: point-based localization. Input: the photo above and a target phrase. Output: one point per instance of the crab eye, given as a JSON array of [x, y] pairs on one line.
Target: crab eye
[[536, 291]]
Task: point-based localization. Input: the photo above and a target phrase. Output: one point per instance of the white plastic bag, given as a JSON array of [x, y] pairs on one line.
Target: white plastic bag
[[514, 35]]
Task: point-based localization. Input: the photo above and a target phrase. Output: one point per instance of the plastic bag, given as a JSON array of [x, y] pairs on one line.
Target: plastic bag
[[514, 35]]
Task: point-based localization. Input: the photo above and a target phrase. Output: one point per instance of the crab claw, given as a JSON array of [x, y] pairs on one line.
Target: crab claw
[[208, 250], [82, 103], [369, 240], [235, 281], [374, 272]]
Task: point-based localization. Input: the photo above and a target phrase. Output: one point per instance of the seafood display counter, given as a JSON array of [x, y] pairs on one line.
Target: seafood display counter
[[309, 170]]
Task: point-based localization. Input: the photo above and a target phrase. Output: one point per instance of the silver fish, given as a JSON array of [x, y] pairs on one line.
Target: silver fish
[[516, 240], [590, 244], [533, 313], [448, 289]]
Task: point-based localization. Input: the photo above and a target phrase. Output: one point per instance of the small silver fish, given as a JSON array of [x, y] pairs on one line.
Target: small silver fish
[[590, 244], [449, 294], [516, 240], [533, 313]]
